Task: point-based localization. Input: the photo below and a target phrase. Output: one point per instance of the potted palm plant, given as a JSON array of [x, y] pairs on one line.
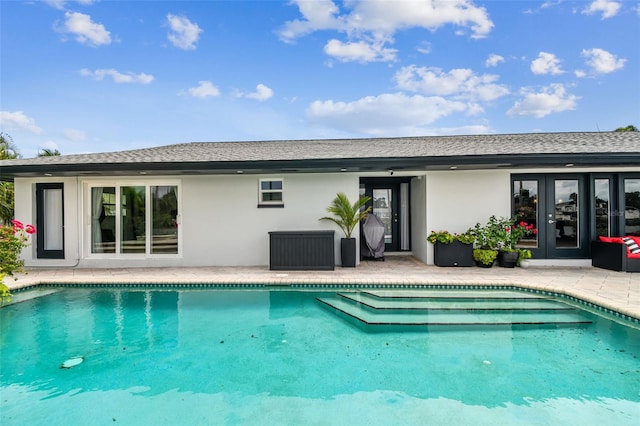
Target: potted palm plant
[[347, 216]]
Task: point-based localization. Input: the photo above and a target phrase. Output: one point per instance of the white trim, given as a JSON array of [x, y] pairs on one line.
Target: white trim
[[261, 192]]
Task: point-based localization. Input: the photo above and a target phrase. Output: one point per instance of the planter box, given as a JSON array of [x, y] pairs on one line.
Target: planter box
[[454, 254], [301, 250], [508, 259]]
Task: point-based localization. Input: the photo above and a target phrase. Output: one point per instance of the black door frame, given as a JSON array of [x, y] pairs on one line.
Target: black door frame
[[394, 184], [546, 220], [41, 233]]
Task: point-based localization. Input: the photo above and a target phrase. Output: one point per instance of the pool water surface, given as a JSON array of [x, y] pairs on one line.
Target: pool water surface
[[236, 357]]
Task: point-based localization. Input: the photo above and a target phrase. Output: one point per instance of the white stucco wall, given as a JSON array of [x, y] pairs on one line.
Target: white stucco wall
[[419, 218], [25, 211], [457, 200], [221, 224]]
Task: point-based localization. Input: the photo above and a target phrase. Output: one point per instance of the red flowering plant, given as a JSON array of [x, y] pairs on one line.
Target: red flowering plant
[[514, 231], [13, 239]]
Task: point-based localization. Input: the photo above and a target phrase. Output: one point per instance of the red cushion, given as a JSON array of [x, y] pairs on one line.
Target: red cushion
[[617, 240], [636, 239], [633, 255]]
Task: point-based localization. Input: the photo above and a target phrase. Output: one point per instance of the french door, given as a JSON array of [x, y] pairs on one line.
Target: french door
[[558, 207]]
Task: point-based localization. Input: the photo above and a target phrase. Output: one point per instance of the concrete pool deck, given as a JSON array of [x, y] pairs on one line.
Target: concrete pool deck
[[618, 291]]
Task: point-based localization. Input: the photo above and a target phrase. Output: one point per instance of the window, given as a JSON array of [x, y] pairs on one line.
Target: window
[[632, 207], [50, 220], [141, 219], [270, 193], [525, 207], [602, 206]]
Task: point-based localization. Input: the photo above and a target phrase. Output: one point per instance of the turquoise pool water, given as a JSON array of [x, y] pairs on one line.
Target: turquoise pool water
[[281, 358]]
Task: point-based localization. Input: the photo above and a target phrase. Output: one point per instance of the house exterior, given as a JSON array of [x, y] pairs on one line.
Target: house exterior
[[214, 204]]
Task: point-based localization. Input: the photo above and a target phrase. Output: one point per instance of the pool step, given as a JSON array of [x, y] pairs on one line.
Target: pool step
[[426, 309]]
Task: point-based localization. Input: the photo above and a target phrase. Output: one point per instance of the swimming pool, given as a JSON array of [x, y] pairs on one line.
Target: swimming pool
[[284, 357]]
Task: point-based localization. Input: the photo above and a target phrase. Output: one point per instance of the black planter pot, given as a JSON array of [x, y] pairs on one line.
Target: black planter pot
[[348, 252], [483, 265], [453, 254], [508, 259]]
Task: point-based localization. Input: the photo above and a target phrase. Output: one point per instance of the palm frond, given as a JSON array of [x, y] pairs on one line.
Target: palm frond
[[347, 215]]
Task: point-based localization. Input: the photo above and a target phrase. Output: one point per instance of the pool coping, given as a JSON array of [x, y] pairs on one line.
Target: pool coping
[[282, 281]]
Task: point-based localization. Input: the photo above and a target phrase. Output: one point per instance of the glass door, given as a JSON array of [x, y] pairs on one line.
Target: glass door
[[557, 206], [50, 220], [383, 207], [566, 217], [390, 202]]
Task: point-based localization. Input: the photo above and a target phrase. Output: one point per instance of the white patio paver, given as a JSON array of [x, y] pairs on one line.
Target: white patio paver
[[618, 291]]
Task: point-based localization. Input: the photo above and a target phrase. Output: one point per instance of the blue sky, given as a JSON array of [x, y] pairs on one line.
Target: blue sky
[[98, 75]]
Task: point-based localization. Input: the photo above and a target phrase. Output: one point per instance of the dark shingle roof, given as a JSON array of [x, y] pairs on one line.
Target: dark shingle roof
[[375, 153]]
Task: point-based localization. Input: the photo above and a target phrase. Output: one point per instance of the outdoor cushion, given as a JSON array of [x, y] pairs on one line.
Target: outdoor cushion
[[632, 246], [611, 239], [633, 256]]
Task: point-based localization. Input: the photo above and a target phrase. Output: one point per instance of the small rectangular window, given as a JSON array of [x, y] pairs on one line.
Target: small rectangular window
[[271, 192]]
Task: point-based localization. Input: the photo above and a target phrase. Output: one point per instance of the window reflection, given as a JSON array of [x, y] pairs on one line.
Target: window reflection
[[525, 202], [382, 208], [632, 207], [602, 207], [566, 213]]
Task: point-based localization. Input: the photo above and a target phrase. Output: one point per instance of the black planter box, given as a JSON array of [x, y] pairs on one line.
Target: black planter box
[[301, 250], [453, 254], [508, 259]]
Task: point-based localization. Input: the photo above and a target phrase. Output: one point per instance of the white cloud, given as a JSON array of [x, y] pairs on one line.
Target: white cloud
[[18, 120], [608, 8], [51, 145], [580, 73], [460, 83], [601, 61], [377, 115], [86, 31], [74, 135], [424, 47], [117, 76], [183, 33], [318, 15], [550, 99], [359, 51], [204, 89], [370, 24], [546, 63], [493, 60], [262, 93], [60, 4]]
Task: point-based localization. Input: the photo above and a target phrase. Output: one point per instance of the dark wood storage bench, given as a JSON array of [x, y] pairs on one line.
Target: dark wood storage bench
[[301, 250]]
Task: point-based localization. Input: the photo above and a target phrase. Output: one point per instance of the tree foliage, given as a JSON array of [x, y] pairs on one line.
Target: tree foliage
[[8, 150], [48, 152], [347, 215], [629, 128]]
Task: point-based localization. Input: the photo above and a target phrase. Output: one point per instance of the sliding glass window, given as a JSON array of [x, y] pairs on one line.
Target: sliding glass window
[[134, 220]]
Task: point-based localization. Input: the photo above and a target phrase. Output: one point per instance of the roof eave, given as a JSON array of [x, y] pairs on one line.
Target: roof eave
[[370, 164]]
